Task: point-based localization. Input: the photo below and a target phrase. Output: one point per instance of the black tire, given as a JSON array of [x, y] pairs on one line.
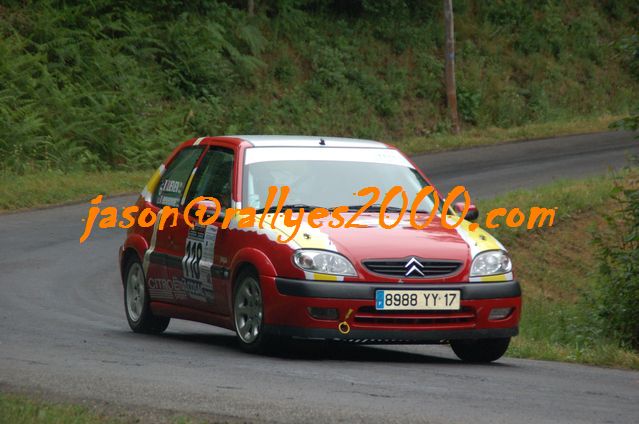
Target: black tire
[[142, 321], [480, 351], [251, 338]]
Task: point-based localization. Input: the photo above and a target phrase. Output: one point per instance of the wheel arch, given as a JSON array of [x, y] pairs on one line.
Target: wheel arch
[[127, 255], [134, 247], [249, 259], [245, 266]]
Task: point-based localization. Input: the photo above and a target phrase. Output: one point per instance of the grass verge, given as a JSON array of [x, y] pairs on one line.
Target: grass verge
[[474, 137], [20, 409], [17, 409], [54, 188], [556, 267]]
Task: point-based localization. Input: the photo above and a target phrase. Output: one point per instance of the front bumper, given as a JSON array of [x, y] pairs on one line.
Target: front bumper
[[289, 301], [341, 290]]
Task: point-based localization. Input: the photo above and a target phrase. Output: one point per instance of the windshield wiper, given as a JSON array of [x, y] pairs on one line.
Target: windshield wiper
[[289, 206], [376, 207]]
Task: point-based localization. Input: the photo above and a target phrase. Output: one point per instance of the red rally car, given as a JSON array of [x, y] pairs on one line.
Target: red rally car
[[289, 279]]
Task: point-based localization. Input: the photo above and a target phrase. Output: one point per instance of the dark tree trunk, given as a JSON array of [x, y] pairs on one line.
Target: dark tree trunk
[[451, 88]]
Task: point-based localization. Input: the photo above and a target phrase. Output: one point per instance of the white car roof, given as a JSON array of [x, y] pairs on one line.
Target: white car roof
[[308, 141]]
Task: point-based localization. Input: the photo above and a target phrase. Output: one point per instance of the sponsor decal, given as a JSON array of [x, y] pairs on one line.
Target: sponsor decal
[[165, 289], [179, 289], [171, 186]]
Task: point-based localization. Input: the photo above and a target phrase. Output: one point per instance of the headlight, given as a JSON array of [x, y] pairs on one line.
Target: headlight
[[492, 262], [323, 262]]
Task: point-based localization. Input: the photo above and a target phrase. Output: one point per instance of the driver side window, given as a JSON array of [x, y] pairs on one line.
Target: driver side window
[[214, 177]]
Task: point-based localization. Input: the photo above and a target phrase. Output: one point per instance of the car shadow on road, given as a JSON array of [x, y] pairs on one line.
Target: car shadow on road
[[320, 350], [342, 351]]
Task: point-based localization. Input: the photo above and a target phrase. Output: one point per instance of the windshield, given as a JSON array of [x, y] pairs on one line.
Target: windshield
[[329, 177]]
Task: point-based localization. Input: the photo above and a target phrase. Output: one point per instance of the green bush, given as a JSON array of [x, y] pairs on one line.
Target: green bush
[[629, 47], [468, 103], [617, 246]]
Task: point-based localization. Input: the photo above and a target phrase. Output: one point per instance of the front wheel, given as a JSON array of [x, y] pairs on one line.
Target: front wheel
[[136, 302], [480, 351], [248, 315]]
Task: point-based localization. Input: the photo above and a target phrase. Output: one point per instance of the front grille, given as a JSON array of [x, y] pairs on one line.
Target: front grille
[[369, 315], [398, 268]]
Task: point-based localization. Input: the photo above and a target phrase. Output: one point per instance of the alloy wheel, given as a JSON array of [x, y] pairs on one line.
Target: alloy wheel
[[248, 309], [135, 292]]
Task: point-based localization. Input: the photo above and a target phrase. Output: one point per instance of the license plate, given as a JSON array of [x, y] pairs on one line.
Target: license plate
[[424, 300]]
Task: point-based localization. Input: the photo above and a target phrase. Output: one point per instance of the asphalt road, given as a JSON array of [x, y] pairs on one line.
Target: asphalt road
[[63, 332], [486, 171]]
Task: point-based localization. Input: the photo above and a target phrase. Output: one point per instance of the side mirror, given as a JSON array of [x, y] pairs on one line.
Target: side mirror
[[473, 212], [209, 208]]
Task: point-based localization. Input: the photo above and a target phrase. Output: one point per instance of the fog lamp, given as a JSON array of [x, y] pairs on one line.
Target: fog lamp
[[499, 313], [329, 314]]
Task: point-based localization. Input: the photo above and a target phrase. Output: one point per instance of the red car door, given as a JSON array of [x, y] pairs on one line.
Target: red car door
[[202, 250], [166, 286]]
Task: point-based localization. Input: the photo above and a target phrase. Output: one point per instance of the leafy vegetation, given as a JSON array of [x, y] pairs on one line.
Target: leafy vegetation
[[618, 255], [111, 84], [570, 307], [630, 123]]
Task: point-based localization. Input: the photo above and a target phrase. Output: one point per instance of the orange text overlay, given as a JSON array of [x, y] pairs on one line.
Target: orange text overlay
[[199, 212]]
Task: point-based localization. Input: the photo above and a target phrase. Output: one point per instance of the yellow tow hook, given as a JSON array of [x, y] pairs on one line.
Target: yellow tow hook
[[343, 326]]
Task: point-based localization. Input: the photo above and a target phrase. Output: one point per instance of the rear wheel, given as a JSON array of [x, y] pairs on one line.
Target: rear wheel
[[248, 314], [136, 302], [480, 351]]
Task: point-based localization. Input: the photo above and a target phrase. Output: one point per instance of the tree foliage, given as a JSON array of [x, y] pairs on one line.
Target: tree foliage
[[115, 84]]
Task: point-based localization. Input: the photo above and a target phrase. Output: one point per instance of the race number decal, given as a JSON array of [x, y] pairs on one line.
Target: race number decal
[[192, 259], [197, 262]]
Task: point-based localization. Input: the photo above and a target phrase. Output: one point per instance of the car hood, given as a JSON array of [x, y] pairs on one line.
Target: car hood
[[371, 241]]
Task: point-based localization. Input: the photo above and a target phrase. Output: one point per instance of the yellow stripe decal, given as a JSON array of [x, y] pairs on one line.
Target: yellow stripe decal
[[188, 186]]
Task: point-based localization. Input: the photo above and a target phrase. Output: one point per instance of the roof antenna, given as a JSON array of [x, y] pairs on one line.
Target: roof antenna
[[322, 142]]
